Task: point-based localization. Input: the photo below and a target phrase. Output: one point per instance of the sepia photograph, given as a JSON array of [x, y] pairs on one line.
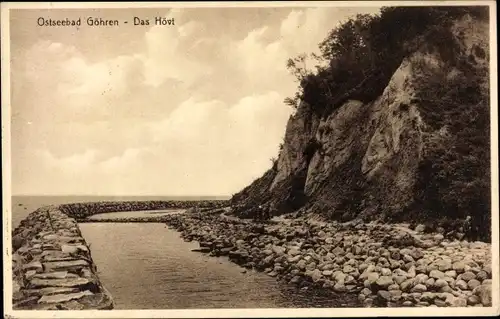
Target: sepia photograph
[[249, 159]]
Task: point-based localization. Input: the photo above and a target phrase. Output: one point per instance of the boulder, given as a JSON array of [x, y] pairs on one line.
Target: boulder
[[436, 274], [461, 284], [59, 298], [384, 282], [419, 288], [484, 294]]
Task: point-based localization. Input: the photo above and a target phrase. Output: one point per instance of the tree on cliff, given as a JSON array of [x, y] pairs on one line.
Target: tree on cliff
[[359, 57]]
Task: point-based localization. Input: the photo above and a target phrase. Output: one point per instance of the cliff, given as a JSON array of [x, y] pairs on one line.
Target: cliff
[[416, 151]]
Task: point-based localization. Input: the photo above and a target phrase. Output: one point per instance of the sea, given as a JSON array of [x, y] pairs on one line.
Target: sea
[[149, 266], [23, 205]]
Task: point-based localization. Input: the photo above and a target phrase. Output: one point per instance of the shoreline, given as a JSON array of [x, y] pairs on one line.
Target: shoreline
[[367, 264], [385, 265]]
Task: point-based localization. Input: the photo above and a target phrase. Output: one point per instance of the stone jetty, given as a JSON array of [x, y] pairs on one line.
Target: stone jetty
[[52, 265], [80, 211], [385, 265]]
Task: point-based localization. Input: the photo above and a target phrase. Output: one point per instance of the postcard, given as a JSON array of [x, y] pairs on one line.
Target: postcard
[[250, 159]]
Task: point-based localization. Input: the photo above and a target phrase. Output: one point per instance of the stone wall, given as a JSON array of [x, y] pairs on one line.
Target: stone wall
[[52, 266]]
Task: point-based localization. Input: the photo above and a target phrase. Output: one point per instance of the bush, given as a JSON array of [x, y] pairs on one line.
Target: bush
[[359, 57]]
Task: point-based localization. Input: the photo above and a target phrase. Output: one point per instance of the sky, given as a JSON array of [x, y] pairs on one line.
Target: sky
[[194, 108]]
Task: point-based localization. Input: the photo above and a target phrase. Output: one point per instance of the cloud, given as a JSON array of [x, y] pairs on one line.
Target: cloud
[[163, 57], [190, 112], [217, 151]]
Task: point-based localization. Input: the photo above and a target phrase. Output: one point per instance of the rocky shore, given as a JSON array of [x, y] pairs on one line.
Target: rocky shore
[[52, 266], [384, 265]]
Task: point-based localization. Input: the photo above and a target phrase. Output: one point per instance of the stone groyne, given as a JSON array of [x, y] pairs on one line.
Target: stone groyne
[[80, 211], [385, 265], [52, 266]]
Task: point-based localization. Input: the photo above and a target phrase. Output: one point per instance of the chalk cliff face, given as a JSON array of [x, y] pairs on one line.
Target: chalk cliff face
[[364, 160]]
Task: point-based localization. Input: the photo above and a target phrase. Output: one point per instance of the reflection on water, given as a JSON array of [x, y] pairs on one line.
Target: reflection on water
[[148, 266]]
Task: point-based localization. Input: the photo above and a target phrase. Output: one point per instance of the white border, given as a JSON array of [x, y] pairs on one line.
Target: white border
[[239, 313]]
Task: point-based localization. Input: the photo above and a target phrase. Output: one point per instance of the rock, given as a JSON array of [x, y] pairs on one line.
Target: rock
[[406, 285], [473, 283], [311, 266], [407, 303], [440, 303], [63, 297], [339, 287], [473, 300], [444, 264], [68, 282], [17, 242], [420, 228], [398, 279], [438, 237], [466, 276], [436, 274], [393, 287], [385, 272], [384, 295], [456, 302], [368, 302], [484, 294], [362, 267], [338, 251], [421, 279], [50, 291], [461, 284], [339, 276], [278, 250], [440, 283], [428, 296], [65, 265], [302, 264], [52, 275], [72, 249], [267, 252], [316, 275], [327, 273], [384, 282], [408, 259], [29, 274], [328, 284], [446, 289], [348, 269], [429, 283], [487, 282], [295, 280], [412, 273], [294, 251], [349, 280], [419, 288], [481, 275], [366, 291], [35, 265], [451, 273], [459, 266]]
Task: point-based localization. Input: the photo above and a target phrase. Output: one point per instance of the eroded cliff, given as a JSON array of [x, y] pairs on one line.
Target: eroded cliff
[[418, 152]]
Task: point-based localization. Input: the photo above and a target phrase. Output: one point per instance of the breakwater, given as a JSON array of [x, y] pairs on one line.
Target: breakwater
[[80, 211], [384, 265], [52, 265]]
